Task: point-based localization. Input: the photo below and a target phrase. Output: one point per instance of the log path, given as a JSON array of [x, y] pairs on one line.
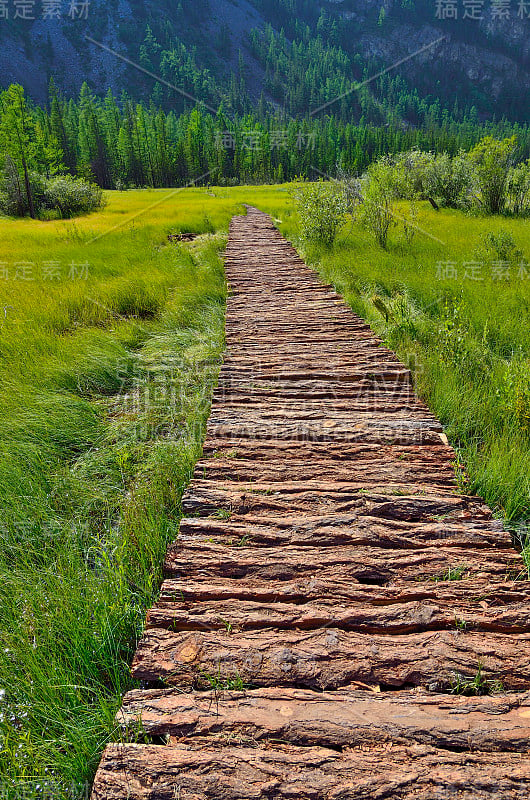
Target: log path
[[330, 587]]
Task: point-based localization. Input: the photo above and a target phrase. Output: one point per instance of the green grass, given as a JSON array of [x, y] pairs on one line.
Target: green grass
[[452, 574], [105, 385], [106, 373], [477, 686]]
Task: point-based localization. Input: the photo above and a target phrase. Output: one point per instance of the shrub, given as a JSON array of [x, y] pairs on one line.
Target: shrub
[[72, 196], [413, 168], [518, 190], [321, 208], [493, 159], [450, 181], [352, 189], [376, 213], [484, 178], [62, 195]]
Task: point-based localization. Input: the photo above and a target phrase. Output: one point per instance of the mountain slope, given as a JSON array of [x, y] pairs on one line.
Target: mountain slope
[[293, 54]]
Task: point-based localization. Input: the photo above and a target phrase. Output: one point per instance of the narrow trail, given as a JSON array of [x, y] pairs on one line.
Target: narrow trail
[[310, 582]]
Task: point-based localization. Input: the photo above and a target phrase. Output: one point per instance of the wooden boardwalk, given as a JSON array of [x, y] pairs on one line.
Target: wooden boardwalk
[[330, 587]]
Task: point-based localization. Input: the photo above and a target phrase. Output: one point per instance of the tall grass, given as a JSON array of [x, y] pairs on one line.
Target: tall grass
[[105, 384]]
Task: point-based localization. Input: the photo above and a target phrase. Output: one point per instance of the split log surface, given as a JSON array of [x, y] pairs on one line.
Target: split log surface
[[136, 772], [332, 658], [333, 719]]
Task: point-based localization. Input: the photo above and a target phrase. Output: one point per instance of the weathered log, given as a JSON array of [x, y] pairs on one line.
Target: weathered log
[[327, 659], [248, 390], [355, 454], [368, 429], [361, 402], [482, 593], [350, 455], [393, 504], [359, 464], [244, 615], [327, 495], [293, 375], [329, 532], [332, 719], [229, 465], [143, 772], [367, 565]]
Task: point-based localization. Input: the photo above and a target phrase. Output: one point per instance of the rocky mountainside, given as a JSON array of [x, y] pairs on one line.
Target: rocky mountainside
[[292, 54]]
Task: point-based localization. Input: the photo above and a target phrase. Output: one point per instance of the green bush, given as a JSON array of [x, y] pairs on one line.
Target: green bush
[[484, 179], [72, 196], [61, 196], [380, 189], [518, 190], [450, 181], [321, 208], [493, 160], [413, 169]]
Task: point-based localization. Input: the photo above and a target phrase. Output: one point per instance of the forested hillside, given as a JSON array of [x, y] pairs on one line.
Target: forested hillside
[[144, 93], [290, 54]]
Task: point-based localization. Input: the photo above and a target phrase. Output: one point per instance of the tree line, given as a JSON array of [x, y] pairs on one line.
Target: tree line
[[121, 144]]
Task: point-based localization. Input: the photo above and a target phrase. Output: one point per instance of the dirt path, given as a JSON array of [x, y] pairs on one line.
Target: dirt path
[[310, 583]]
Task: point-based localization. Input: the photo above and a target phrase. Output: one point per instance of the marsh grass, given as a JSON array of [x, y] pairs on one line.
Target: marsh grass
[[476, 686], [105, 385], [105, 388], [106, 374]]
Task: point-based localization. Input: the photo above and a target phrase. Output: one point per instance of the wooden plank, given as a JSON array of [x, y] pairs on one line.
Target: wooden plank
[[399, 503], [357, 464], [354, 456], [249, 615], [228, 466], [253, 425], [481, 592], [332, 658], [142, 772], [299, 501], [368, 565], [333, 719], [342, 529]]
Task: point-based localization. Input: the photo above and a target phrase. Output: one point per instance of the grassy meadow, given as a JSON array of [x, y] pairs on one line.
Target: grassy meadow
[[110, 342]]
